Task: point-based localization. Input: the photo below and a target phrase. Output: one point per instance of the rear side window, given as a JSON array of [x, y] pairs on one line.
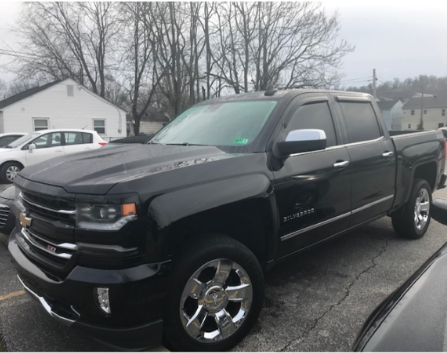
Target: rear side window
[[360, 121], [315, 116], [88, 138], [73, 138]]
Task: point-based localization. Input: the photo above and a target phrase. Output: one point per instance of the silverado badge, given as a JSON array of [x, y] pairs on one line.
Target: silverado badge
[[25, 221]]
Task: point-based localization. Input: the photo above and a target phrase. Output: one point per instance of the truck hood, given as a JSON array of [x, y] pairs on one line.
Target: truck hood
[[96, 172]]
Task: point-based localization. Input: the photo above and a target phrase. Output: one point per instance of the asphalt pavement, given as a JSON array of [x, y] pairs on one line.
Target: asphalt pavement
[[316, 301]]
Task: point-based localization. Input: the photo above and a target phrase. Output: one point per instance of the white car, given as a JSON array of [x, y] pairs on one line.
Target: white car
[[7, 138], [42, 145]]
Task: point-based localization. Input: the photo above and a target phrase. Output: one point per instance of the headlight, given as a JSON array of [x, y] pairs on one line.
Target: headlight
[[104, 217]]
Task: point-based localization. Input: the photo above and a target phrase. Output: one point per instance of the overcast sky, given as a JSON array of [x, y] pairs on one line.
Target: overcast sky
[[398, 38]]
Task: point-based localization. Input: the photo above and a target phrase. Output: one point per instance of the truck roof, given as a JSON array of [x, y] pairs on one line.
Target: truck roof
[[281, 94]]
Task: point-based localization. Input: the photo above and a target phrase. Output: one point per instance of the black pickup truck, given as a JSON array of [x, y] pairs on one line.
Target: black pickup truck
[[168, 241]]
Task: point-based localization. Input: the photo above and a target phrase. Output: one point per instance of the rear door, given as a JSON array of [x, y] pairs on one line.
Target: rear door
[[312, 189], [373, 163], [47, 146], [74, 142]]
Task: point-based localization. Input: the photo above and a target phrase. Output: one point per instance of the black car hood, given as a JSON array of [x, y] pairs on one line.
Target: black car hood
[[96, 172]]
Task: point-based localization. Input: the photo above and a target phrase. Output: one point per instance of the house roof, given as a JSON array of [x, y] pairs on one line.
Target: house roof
[[429, 102], [387, 104], [25, 94]]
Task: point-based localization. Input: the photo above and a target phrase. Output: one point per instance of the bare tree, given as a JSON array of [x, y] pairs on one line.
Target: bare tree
[[68, 40]]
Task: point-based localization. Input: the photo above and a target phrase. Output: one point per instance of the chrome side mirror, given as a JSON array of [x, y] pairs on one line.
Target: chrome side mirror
[[303, 140]]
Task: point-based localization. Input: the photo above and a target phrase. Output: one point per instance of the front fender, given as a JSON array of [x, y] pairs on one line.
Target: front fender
[[171, 207]]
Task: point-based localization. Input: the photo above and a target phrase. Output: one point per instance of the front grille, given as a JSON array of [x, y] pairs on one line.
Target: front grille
[[4, 213], [49, 239]]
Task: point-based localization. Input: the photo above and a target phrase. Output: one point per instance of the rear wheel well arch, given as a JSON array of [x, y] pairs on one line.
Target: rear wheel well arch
[[248, 221], [428, 172]]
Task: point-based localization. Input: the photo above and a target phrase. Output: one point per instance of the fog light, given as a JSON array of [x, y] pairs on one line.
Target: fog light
[[103, 299]]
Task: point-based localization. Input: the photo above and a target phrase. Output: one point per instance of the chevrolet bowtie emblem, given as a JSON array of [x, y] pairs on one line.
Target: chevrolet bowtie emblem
[[25, 221]]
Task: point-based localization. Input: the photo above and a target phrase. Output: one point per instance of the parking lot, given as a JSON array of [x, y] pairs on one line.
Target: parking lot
[[316, 301]]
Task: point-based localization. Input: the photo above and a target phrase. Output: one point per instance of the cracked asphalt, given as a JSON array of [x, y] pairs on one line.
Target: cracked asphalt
[[315, 301]]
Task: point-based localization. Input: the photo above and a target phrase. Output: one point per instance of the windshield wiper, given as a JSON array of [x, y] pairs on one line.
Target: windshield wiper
[[184, 144]]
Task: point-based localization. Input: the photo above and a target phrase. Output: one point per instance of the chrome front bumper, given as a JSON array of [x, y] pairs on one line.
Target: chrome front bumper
[[47, 306]]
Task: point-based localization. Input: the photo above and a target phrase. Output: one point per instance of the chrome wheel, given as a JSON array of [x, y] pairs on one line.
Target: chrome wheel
[[11, 172], [216, 301], [421, 209]]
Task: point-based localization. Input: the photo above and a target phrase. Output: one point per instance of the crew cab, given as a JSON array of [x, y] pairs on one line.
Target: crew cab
[[139, 244], [42, 145]]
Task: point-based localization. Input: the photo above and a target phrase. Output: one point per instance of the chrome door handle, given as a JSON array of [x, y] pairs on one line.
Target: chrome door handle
[[341, 165], [387, 154]]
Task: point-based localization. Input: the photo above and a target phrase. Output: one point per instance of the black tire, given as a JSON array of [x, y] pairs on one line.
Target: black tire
[[5, 169], [192, 258], [404, 222]]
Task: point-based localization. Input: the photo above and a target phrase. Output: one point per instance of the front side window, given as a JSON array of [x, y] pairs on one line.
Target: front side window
[[48, 140], [40, 124], [220, 124], [315, 116], [360, 121], [99, 126]]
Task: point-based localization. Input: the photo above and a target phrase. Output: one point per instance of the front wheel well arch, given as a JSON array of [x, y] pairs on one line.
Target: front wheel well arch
[[247, 221], [12, 161]]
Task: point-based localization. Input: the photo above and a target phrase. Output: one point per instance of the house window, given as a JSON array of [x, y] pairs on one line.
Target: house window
[[99, 126], [425, 111], [40, 124], [412, 112], [409, 126], [70, 91], [440, 125], [443, 112]]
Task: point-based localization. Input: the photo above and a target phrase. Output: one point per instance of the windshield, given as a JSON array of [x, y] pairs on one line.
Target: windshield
[[222, 124], [22, 140]]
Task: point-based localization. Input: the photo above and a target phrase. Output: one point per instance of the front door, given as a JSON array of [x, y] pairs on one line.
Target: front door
[[312, 189], [47, 146]]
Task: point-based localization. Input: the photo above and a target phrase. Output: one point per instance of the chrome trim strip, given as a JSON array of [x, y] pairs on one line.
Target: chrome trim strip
[[46, 208], [40, 247], [291, 235], [340, 146], [68, 246], [330, 220], [396, 137], [372, 204], [46, 306]]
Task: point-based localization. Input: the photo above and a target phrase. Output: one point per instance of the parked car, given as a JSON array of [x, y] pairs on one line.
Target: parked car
[[169, 240], [40, 146], [133, 139], [444, 131], [7, 138], [413, 317], [7, 218]]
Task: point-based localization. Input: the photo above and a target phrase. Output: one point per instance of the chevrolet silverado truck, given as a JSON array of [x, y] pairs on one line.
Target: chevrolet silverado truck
[[167, 242]]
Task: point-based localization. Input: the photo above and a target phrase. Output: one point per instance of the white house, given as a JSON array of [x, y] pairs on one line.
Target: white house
[[392, 113], [62, 105], [433, 112]]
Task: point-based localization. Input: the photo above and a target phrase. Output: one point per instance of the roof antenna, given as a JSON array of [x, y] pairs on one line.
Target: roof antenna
[[270, 90]]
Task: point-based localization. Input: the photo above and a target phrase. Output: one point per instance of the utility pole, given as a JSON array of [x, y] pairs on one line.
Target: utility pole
[[374, 84], [421, 123]]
